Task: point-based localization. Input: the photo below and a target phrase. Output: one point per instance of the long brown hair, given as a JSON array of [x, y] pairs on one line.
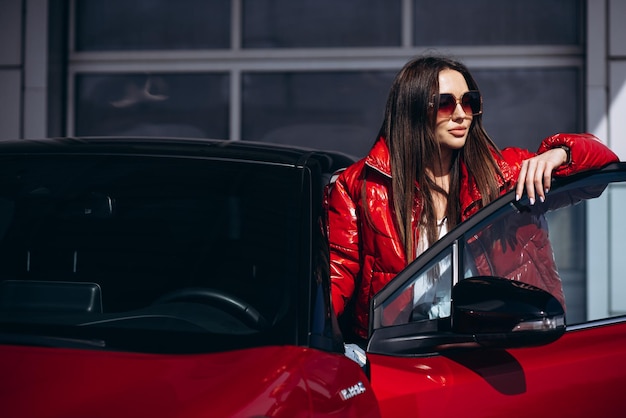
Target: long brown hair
[[409, 129]]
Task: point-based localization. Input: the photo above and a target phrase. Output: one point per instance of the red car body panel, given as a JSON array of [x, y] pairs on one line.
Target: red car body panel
[[272, 381], [579, 375]]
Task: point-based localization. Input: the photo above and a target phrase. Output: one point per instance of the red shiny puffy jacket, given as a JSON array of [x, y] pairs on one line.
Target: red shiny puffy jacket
[[366, 254]]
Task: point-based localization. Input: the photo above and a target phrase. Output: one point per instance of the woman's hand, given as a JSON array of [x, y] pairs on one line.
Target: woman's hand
[[536, 174]]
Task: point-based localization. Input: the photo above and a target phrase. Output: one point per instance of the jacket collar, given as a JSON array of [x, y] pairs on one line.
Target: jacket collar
[[378, 157]]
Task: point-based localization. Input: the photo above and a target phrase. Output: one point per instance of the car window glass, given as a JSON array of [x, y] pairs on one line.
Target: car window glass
[[425, 296], [534, 244], [515, 245]]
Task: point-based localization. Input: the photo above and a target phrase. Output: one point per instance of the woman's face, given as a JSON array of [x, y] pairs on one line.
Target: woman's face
[[451, 129]]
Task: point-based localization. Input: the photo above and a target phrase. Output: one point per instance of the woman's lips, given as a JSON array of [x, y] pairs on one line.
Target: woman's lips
[[458, 131]]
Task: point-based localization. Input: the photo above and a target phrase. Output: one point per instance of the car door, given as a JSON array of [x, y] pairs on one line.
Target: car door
[[516, 359]]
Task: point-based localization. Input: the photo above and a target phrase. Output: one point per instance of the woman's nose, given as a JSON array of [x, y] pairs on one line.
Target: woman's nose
[[458, 113]]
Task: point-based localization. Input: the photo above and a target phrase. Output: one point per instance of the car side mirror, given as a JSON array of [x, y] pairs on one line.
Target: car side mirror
[[485, 312], [505, 313]]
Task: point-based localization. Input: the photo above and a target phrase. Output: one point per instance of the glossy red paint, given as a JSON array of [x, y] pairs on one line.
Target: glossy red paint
[[580, 375], [270, 382]]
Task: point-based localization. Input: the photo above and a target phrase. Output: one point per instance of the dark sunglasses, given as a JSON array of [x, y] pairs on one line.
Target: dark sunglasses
[[471, 102]]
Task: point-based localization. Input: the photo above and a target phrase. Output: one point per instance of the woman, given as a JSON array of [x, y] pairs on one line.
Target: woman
[[432, 166]]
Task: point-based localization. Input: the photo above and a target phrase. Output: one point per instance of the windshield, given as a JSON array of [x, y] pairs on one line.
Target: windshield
[[97, 246]]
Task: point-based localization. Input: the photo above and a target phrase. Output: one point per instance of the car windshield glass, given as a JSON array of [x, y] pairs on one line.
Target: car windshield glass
[[155, 244]]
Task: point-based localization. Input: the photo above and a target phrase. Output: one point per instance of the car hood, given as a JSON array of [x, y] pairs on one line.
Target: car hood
[[270, 381]]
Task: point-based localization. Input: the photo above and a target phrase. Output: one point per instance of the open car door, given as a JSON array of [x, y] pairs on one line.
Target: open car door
[[488, 336]]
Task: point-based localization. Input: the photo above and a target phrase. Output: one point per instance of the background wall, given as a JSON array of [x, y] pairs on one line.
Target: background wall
[[11, 68]]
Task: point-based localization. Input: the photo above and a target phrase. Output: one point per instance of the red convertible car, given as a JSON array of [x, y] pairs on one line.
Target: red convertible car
[[189, 278]]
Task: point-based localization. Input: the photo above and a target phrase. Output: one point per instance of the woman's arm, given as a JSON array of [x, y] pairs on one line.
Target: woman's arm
[[343, 238], [561, 155]]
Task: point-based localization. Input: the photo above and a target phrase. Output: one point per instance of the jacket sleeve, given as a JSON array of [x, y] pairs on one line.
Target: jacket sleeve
[[343, 238], [585, 150]]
